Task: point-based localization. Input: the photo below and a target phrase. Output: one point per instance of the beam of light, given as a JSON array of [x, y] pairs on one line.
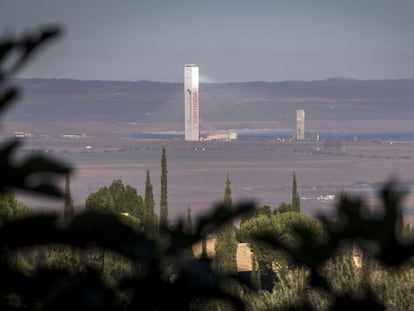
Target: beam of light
[[208, 79]]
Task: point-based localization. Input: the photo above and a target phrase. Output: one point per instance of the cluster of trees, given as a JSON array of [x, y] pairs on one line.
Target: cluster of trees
[[124, 200], [116, 253]]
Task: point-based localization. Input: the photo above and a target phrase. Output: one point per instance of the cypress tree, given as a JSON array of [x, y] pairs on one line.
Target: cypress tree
[[188, 225], [227, 192], [188, 228], [68, 210], [164, 189], [295, 195], [149, 214], [226, 244]]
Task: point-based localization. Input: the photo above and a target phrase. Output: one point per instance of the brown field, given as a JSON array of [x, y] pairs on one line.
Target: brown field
[[259, 171]]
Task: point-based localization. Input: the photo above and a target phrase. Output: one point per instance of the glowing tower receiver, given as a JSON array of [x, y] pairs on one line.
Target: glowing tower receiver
[[191, 103]]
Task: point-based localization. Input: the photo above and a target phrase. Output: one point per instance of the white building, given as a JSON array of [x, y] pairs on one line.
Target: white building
[[222, 136], [191, 103]]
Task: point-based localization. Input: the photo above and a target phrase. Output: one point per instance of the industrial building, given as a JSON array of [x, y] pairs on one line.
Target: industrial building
[[191, 103], [222, 136]]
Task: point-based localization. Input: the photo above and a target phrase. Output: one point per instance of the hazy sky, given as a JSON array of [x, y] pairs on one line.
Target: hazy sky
[[231, 40]]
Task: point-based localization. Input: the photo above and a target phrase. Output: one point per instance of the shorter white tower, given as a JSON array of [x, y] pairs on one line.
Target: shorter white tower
[[191, 103], [300, 124]]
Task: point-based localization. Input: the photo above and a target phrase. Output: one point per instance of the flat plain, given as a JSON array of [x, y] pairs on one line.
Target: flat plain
[[88, 124], [260, 171]]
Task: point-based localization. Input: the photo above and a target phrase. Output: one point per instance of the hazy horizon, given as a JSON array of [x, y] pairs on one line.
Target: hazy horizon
[[225, 82], [231, 41]]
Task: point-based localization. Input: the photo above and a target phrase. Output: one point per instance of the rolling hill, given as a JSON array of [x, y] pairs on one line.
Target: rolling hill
[[332, 100]]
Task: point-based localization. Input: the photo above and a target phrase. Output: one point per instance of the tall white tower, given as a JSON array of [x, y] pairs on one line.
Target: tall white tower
[[191, 103], [300, 124]]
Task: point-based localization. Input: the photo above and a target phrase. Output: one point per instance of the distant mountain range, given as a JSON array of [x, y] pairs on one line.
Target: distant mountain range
[[145, 101]]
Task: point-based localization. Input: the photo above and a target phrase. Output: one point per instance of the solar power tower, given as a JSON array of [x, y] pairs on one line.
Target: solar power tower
[[300, 124], [191, 103]]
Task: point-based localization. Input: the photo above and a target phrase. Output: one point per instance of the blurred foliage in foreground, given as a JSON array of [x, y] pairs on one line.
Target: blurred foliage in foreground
[[157, 273]]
